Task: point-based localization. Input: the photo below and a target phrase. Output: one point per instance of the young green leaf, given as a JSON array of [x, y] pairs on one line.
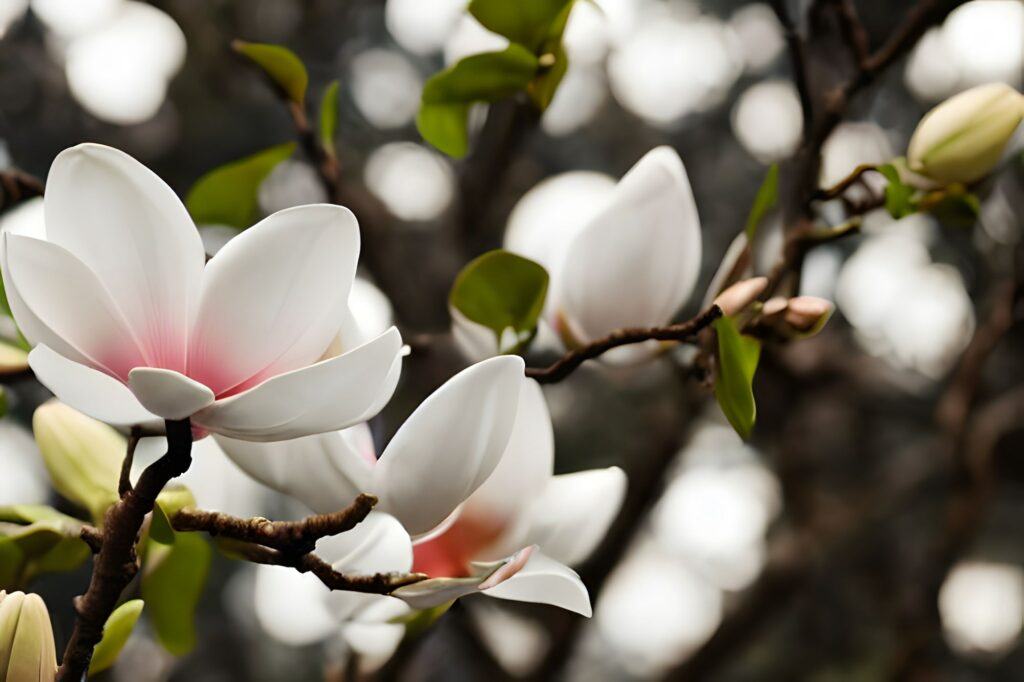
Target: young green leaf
[[527, 22], [228, 195], [172, 583], [115, 635], [501, 290], [542, 88], [329, 118], [484, 77], [444, 127], [898, 195], [737, 362], [280, 64], [764, 201]]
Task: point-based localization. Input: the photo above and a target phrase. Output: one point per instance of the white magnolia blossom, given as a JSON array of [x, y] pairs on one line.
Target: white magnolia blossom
[[129, 326], [510, 539], [633, 263]]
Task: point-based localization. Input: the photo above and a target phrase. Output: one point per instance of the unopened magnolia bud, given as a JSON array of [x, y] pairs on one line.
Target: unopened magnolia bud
[[83, 456], [27, 651], [737, 297], [807, 314], [774, 306], [962, 139]]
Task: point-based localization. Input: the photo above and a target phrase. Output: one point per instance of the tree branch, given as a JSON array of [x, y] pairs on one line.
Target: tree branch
[[568, 363], [798, 60], [116, 563], [287, 537], [378, 583], [17, 186]]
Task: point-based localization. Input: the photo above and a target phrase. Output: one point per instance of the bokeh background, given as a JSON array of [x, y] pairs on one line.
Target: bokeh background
[[712, 527]]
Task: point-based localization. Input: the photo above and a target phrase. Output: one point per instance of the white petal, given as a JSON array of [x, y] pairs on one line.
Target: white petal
[[33, 328], [290, 606], [63, 293], [476, 341], [88, 390], [372, 635], [325, 471], [573, 515], [636, 263], [545, 581], [130, 228], [377, 545], [167, 393], [527, 464], [273, 297], [450, 444], [328, 396]]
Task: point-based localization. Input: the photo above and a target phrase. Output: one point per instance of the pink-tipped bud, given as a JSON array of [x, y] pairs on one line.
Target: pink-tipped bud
[[806, 315], [740, 295]]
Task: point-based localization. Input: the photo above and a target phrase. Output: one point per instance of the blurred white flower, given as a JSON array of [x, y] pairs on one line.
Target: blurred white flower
[[470, 38], [422, 27], [415, 183], [120, 71], [25, 480], [758, 34], [767, 120], [386, 87], [235, 345], [291, 183], [10, 12], [982, 606]]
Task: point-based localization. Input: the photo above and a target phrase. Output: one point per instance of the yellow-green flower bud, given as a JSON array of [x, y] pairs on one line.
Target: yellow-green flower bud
[[962, 139], [82, 455], [27, 652]]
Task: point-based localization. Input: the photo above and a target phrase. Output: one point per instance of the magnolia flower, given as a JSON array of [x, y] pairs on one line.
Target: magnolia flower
[[962, 139], [130, 327], [27, 651], [633, 264]]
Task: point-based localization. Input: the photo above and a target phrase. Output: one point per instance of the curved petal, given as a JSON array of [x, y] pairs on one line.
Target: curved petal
[[545, 581], [66, 296], [636, 263], [130, 228], [88, 390], [377, 545], [167, 393], [273, 298], [527, 464], [325, 472], [327, 396], [450, 444], [574, 513], [34, 329], [290, 606], [373, 634]]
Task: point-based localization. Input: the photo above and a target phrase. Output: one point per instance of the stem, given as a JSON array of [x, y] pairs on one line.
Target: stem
[[117, 563], [568, 363]]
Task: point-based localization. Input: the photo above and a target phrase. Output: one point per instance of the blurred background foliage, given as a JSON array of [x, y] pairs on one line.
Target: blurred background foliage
[[754, 535]]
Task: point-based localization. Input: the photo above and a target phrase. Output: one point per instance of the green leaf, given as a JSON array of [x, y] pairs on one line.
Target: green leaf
[[280, 64], [30, 513], [115, 635], [172, 584], [501, 290], [228, 195], [444, 127], [957, 209], [898, 196], [737, 362], [485, 77], [764, 201], [170, 501], [527, 22], [329, 118], [44, 546]]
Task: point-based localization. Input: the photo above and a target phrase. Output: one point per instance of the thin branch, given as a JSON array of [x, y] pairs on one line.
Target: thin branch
[[377, 583], [289, 537], [17, 186], [124, 483], [568, 363], [798, 60], [846, 183], [116, 563], [853, 32]]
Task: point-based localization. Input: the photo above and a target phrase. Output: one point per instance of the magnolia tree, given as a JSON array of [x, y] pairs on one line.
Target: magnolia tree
[[247, 340]]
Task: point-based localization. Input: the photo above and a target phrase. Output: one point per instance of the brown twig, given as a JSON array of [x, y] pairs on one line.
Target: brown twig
[[568, 363], [18, 186], [288, 537], [124, 483], [844, 184], [116, 563], [797, 58], [377, 583], [853, 31]]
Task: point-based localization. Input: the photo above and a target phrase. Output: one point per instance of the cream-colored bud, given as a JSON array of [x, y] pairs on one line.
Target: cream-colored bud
[[741, 294], [83, 456], [27, 651], [962, 139]]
